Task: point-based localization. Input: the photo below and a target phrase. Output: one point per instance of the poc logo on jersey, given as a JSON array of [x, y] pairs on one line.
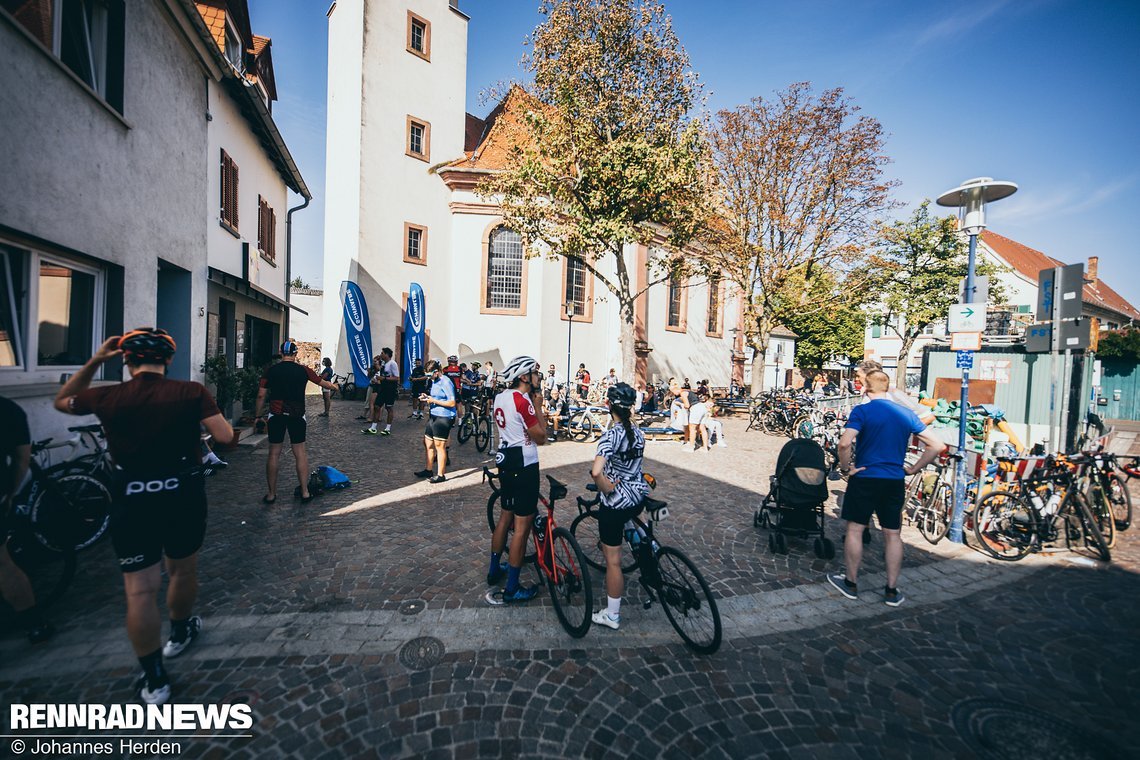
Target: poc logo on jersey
[[152, 486]]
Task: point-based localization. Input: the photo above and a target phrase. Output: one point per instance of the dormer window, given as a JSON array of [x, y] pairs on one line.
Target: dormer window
[[234, 49]]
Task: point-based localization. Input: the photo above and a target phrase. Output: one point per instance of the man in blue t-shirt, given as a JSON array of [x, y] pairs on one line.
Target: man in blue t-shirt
[[877, 482]]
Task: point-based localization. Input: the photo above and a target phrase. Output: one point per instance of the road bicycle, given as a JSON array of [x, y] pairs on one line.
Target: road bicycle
[[929, 501], [1045, 507], [345, 386], [477, 423], [1109, 489], [588, 423], [557, 557], [666, 574]]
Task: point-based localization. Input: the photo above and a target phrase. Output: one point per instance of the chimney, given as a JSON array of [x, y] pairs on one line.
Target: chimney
[[1090, 271]]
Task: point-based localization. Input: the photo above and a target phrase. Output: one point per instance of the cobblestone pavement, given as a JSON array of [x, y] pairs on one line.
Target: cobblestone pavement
[[303, 622]]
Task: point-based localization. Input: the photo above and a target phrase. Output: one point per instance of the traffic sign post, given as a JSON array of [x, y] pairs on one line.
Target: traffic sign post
[[967, 317]]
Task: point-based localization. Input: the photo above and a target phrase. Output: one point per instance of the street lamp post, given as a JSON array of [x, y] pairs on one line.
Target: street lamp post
[[970, 198], [569, 328]]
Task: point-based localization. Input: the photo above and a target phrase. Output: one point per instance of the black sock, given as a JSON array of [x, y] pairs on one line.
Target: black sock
[[155, 673], [892, 590], [179, 628], [33, 617]]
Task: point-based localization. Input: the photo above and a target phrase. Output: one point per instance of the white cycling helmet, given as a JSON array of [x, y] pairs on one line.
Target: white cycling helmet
[[1004, 450], [518, 367]]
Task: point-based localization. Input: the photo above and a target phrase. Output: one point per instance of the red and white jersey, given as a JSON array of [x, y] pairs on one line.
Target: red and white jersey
[[514, 414]]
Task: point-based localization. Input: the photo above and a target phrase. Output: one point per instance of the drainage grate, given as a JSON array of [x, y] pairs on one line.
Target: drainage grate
[[413, 607], [1007, 730], [421, 653]]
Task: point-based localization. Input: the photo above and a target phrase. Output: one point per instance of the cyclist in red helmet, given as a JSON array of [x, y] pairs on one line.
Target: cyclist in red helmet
[[159, 499]]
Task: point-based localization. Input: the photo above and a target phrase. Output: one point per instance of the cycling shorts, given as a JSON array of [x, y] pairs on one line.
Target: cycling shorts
[[439, 428], [519, 490], [155, 516], [386, 395], [611, 523], [279, 424], [882, 497]]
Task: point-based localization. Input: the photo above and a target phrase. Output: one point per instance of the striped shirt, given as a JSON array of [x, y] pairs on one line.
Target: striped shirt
[[623, 467]]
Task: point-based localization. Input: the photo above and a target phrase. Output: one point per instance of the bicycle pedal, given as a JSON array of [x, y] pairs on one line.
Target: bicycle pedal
[[647, 604]]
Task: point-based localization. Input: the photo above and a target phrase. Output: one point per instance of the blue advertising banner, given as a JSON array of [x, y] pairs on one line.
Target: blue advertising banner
[[413, 330], [357, 332]]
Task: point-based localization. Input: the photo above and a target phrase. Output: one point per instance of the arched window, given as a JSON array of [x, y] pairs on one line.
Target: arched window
[[503, 290]]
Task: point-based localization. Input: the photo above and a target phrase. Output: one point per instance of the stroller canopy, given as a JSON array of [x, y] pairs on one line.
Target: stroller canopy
[[801, 475]]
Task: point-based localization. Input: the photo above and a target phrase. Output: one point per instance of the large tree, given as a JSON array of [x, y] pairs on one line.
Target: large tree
[[834, 329], [917, 268], [799, 183], [614, 154]]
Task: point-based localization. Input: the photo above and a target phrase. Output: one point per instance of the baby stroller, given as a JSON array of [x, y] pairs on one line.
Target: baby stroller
[[794, 505]]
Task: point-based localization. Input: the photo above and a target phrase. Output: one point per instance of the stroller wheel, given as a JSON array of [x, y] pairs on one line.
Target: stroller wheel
[[867, 535], [772, 543], [817, 547], [781, 543], [765, 519], [828, 549]]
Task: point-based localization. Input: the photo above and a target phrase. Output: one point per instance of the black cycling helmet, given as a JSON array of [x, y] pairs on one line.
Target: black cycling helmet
[[622, 394], [147, 345], [288, 348]]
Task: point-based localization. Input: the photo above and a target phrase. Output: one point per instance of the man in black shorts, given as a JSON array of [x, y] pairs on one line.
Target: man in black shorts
[[419, 386], [15, 456], [386, 382], [159, 499], [877, 483], [283, 387]]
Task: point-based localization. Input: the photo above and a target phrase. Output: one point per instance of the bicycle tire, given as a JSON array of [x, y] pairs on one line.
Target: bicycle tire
[[575, 429], [50, 573], [464, 429], [1090, 528], [683, 597], [482, 434], [585, 532], [1101, 509], [934, 522], [572, 586], [802, 427], [491, 502], [73, 509], [772, 423], [1121, 501], [1005, 526], [913, 500], [349, 391]]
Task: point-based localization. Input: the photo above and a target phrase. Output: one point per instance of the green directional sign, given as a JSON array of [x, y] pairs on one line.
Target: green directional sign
[[967, 317]]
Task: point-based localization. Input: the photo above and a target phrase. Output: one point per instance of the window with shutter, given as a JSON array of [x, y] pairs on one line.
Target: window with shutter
[[229, 192]]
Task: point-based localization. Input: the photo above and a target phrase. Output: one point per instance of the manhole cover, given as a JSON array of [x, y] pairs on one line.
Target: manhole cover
[[1007, 730], [413, 607], [421, 653]]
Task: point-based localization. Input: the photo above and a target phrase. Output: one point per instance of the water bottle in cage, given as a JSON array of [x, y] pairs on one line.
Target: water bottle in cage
[[632, 534]]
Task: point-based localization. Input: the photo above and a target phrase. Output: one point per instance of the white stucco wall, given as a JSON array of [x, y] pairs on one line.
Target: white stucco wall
[[307, 328], [121, 190], [257, 175]]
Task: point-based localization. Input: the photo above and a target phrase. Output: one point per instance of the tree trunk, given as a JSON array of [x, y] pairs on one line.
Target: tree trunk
[[904, 360], [628, 337]]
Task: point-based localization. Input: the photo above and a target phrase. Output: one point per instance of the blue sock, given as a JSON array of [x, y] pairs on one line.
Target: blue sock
[[512, 579], [495, 557]]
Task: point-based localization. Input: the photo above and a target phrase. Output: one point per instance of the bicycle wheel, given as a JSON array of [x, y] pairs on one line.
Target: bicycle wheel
[[348, 391], [1120, 500], [1005, 526], [585, 530], [73, 510], [49, 572], [933, 517], [803, 427], [688, 601], [1102, 510], [569, 584], [913, 499], [465, 429], [1094, 540], [483, 434], [772, 423], [576, 428]]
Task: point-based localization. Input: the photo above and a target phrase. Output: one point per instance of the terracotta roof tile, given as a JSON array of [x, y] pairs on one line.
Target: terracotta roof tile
[[1028, 262], [504, 130], [215, 19], [260, 43]]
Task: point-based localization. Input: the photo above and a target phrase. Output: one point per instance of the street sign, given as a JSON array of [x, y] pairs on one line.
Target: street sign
[[981, 290], [1065, 284], [964, 360], [1037, 339], [1075, 335], [966, 341], [967, 317]]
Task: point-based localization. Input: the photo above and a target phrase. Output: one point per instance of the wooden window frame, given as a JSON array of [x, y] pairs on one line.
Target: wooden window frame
[[228, 216], [425, 156], [486, 257], [588, 307], [719, 292], [684, 309], [422, 260], [266, 231], [426, 52]]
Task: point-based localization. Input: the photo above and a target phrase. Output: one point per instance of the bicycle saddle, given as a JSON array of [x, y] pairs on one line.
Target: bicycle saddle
[[557, 490], [658, 510], [86, 429]]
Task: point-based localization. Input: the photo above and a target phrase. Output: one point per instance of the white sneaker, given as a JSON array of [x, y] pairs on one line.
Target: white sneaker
[[603, 617], [174, 647], [159, 696]]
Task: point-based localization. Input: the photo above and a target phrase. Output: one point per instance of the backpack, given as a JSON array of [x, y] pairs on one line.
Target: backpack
[[326, 478]]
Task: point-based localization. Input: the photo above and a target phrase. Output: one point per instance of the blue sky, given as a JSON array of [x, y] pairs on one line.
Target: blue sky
[[1045, 93]]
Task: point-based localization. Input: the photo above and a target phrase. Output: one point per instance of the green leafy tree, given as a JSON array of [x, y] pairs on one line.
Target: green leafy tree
[[835, 328], [1119, 344], [917, 269], [799, 186], [297, 282], [613, 154]]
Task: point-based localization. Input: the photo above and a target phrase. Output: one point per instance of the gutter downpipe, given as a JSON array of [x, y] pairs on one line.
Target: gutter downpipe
[[289, 263]]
